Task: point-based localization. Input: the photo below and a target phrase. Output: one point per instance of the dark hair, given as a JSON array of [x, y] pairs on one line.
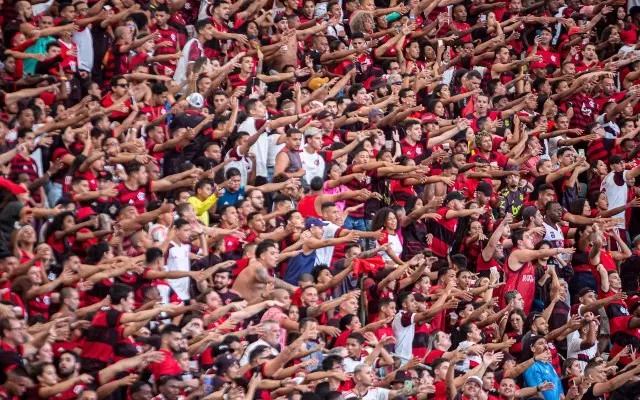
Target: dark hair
[[264, 246], [119, 292]]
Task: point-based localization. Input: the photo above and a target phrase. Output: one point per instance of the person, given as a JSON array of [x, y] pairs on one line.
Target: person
[[347, 190]]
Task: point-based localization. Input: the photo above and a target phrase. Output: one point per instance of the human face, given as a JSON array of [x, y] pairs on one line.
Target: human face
[[34, 275], [547, 196], [353, 348], [121, 87], [540, 346], [545, 36], [145, 393], [171, 390], [73, 301], [410, 304], [441, 372], [575, 369], [554, 213], [516, 322], [471, 389], [294, 313], [213, 300], [294, 141], [67, 365], [272, 334], [270, 257], [518, 301], [614, 281], [49, 377], [310, 297], [221, 280], [507, 388], [391, 222], [488, 381], [127, 304]]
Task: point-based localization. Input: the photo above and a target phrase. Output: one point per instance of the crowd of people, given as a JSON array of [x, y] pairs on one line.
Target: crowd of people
[[319, 200]]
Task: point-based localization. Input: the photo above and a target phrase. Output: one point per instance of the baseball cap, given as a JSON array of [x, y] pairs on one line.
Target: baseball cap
[[105, 176], [324, 114], [474, 378], [401, 377], [312, 131], [429, 118], [85, 212], [311, 222], [375, 112], [316, 83], [574, 30], [195, 100], [455, 195], [223, 362]]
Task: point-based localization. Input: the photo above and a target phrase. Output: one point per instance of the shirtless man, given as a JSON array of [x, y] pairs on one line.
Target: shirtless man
[[251, 282]]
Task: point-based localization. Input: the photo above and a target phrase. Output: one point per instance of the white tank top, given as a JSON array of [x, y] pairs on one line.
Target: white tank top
[[617, 195]]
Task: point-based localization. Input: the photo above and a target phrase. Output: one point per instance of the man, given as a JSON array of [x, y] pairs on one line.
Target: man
[[584, 347], [364, 378], [405, 322], [107, 328], [270, 338], [617, 191], [314, 160], [443, 229], [555, 233], [520, 273], [541, 372], [137, 188], [193, 50], [252, 281], [14, 345], [221, 283], [171, 342]]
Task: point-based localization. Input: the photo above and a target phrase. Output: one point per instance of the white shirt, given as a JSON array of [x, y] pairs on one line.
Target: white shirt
[[259, 148], [617, 195], [245, 357], [84, 41], [178, 260], [404, 334], [395, 244], [372, 394], [313, 164], [324, 254], [573, 351], [274, 149]]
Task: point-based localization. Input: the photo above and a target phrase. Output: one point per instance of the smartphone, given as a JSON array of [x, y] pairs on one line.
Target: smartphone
[[408, 384], [581, 152], [445, 146], [483, 18]]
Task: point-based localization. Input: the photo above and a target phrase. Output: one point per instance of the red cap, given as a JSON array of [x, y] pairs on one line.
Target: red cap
[[574, 30], [12, 187], [428, 118], [85, 212]]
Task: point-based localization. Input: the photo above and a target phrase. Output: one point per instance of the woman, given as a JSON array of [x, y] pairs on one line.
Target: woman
[[387, 221], [49, 385], [335, 182], [63, 232], [599, 205], [514, 329]]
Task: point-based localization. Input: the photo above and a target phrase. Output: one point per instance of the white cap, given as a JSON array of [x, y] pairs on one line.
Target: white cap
[[195, 100]]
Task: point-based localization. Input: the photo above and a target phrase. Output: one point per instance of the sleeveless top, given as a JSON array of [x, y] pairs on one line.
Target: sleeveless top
[[295, 163], [524, 281]]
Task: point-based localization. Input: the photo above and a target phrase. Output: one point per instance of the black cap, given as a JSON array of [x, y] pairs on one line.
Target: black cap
[[223, 363], [325, 114], [401, 377], [221, 349], [455, 195]]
